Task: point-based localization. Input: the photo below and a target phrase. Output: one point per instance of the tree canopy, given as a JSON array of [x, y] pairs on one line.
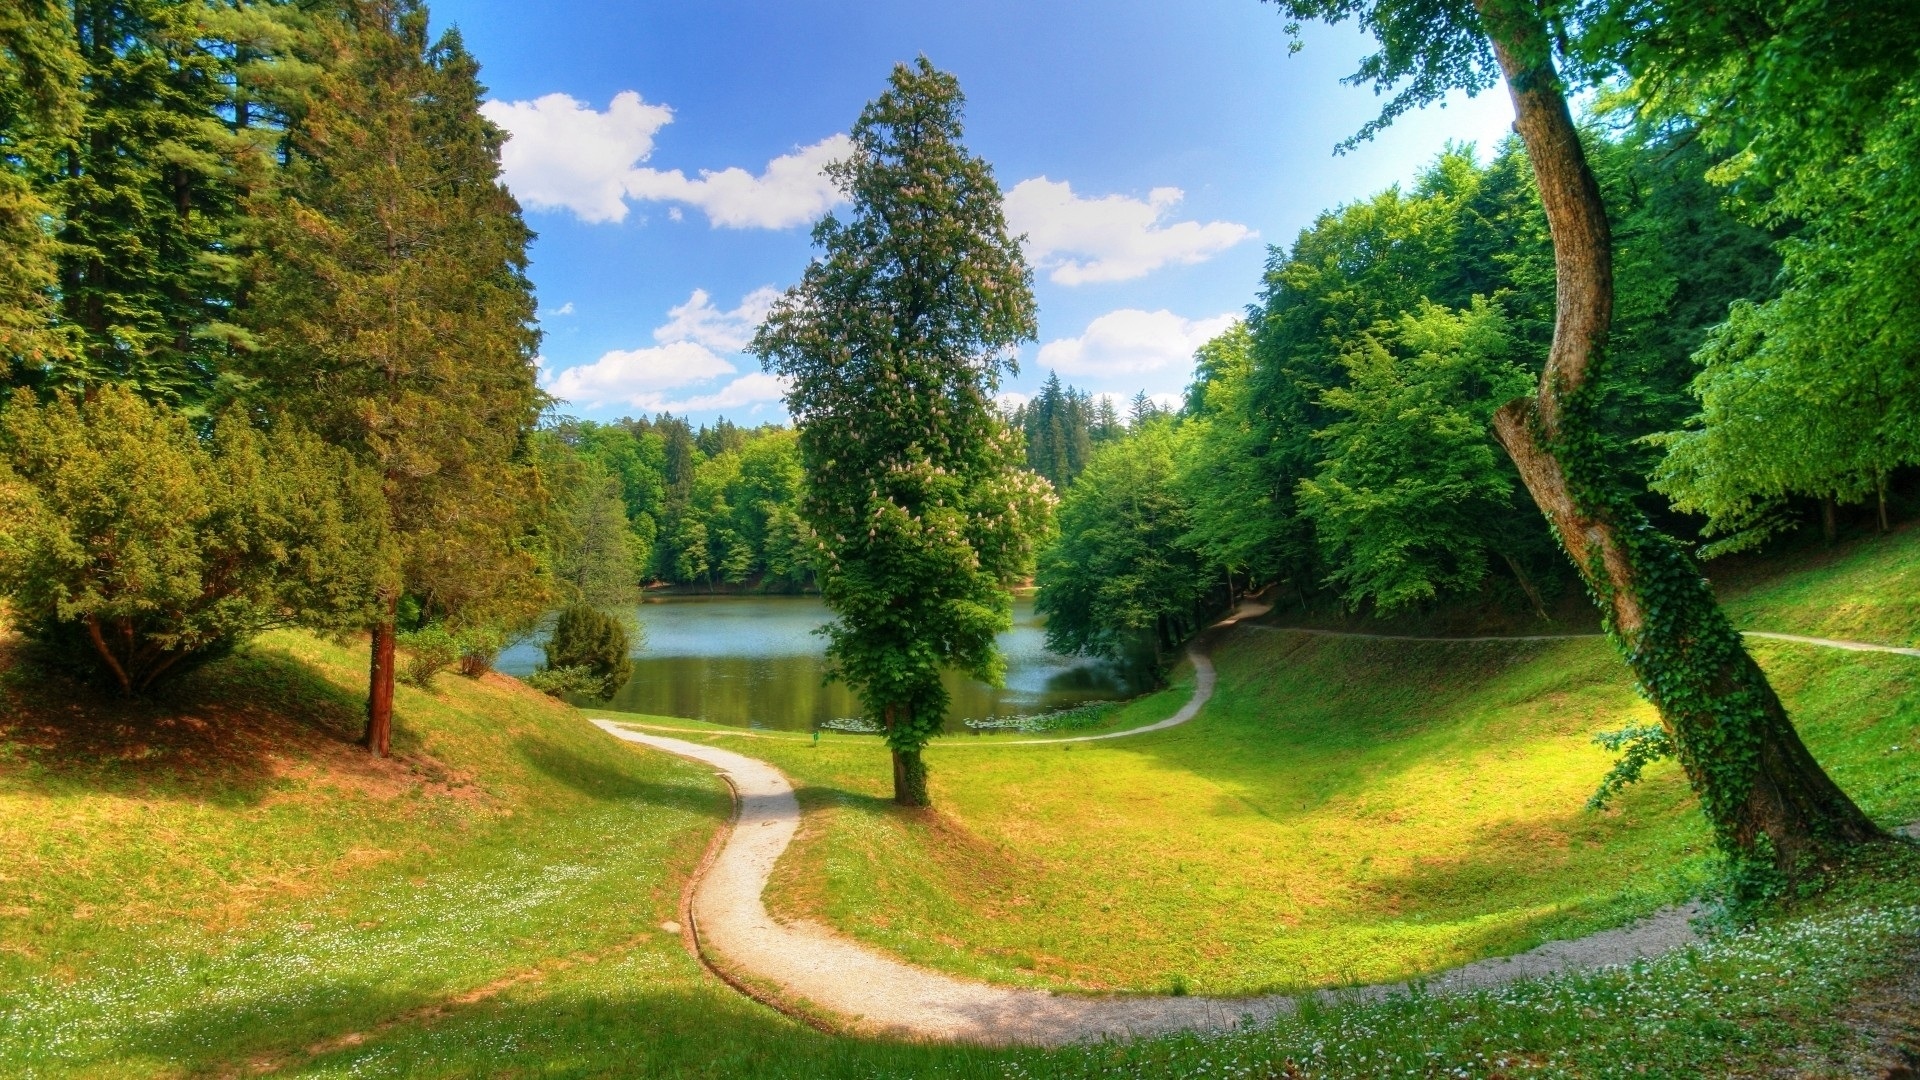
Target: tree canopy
[[895, 341]]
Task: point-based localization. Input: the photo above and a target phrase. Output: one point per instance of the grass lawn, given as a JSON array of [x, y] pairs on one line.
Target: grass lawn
[[221, 884], [1345, 811]]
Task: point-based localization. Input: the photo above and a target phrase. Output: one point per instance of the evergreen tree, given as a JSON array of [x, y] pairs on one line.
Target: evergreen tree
[[895, 341], [150, 190], [39, 70], [394, 316]]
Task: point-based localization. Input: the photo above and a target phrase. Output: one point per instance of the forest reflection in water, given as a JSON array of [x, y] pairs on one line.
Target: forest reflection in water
[[755, 661]]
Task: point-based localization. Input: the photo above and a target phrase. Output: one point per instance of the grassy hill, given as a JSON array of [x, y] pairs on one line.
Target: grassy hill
[[222, 884], [1345, 811]]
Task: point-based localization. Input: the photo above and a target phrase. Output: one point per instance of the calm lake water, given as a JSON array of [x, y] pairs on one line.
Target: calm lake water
[[754, 661]]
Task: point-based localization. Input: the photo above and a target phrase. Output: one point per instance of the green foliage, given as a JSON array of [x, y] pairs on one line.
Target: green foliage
[[591, 548], [1119, 582], [392, 313], [1411, 495], [1809, 392], [895, 341], [1060, 427], [150, 190], [38, 69], [144, 549], [1639, 745], [565, 682], [591, 640], [430, 651]]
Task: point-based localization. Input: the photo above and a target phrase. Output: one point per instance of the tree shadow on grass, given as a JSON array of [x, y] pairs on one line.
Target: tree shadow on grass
[[220, 734], [602, 781], [639, 1031]]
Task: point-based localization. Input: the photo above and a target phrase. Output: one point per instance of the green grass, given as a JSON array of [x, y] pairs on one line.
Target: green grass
[[1345, 812], [221, 883]]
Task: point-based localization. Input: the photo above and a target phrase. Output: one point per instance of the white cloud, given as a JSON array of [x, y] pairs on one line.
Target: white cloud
[[563, 309], [1130, 341], [636, 377], [677, 374], [753, 391], [699, 321], [1113, 238], [792, 191], [564, 155]]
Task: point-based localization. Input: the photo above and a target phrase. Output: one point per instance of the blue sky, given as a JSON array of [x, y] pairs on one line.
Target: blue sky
[[668, 153]]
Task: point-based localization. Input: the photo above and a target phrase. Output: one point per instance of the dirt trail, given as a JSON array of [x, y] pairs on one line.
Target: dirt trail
[[808, 968], [813, 967]]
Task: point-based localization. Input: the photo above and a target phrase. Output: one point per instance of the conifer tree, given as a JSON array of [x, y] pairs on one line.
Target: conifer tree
[[394, 316], [38, 72], [149, 189], [895, 341]]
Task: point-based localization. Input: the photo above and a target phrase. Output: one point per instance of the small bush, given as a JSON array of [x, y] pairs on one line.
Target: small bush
[[479, 647], [430, 650], [563, 682], [585, 637]]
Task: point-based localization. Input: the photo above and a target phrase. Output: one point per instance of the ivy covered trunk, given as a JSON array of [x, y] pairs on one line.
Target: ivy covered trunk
[[1766, 797], [910, 779]]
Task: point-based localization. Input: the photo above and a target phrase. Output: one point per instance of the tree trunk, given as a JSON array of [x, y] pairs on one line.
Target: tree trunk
[[379, 736], [1526, 585], [1762, 791], [1880, 490], [1829, 527], [909, 772], [910, 779]]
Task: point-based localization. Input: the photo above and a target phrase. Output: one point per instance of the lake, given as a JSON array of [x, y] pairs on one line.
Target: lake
[[755, 661]]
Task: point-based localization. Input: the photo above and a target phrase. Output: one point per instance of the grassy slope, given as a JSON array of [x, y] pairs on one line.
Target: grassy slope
[[225, 879], [1346, 811], [179, 904]]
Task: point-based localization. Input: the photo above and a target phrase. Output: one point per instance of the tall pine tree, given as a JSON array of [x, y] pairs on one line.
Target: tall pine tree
[[394, 316]]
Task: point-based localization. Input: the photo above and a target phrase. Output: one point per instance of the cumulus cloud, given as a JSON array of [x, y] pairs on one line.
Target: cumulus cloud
[[699, 321], [1130, 341], [634, 377], [676, 374], [562, 154], [793, 190], [1112, 238]]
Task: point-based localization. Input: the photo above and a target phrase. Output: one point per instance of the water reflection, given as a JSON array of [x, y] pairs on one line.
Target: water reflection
[[756, 662]]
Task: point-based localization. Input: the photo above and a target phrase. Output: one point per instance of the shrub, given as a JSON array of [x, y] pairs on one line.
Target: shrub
[[131, 544], [585, 637], [430, 651], [479, 647], [564, 682]]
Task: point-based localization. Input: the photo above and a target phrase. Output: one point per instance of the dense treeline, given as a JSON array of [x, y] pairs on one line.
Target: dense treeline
[[1690, 304], [706, 507], [1337, 442], [265, 316]]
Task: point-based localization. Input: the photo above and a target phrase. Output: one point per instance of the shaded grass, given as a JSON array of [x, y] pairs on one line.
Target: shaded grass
[[223, 876]]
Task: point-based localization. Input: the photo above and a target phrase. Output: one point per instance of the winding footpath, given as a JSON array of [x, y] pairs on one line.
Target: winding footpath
[[808, 969]]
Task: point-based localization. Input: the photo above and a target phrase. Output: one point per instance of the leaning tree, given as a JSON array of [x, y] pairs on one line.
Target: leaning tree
[[1768, 800], [894, 343]]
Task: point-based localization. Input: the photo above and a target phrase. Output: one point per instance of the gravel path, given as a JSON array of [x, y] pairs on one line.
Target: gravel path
[[810, 967], [878, 994], [1802, 639]]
